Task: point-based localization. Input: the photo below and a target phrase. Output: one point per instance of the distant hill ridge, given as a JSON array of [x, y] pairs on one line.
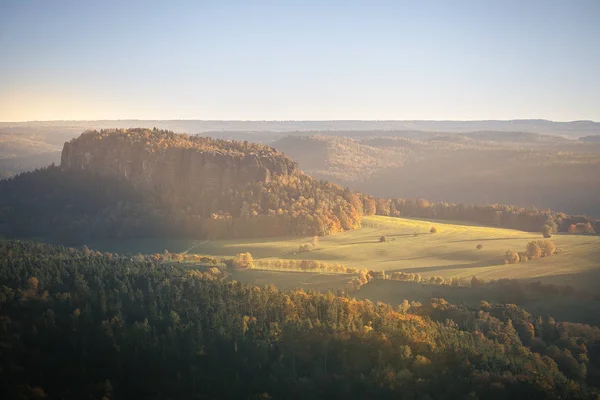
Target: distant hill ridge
[[572, 129]]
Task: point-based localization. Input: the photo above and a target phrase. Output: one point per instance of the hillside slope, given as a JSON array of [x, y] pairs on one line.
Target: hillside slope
[[141, 182], [526, 170]]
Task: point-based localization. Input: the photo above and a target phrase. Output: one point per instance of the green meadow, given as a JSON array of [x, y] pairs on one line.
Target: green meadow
[[409, 247]]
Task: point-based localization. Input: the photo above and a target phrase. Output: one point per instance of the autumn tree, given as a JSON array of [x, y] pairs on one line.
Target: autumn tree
[[243, 261], [315, 242], [369, 206], [533, 250], [511, 257], [547, 247]]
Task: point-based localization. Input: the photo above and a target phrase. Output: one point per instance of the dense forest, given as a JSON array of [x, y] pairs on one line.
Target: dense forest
[[80, 324], [505, 216], [76, 205]]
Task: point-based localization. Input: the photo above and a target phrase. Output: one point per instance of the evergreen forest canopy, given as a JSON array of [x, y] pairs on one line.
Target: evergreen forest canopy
[[79, 324]]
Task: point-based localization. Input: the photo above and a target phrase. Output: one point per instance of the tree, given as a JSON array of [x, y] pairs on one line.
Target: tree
[[547, 231], [572, 228], [33, 283], [548, 247], [369, 206], [511, 257], [422, 203], [243, 261], [433, 229], [315, 242], [533, 250]]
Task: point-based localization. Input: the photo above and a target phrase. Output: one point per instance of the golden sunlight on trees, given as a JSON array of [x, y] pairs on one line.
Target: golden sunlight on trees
[[534, 250], [511, 257], [243, 261]]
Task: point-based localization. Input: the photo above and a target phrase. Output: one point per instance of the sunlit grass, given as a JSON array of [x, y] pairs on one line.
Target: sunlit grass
[[451, 252]]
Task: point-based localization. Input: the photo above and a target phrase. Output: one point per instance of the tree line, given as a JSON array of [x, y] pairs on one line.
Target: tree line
[[505, 216]]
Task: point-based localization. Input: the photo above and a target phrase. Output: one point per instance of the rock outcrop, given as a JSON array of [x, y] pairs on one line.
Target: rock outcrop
[[176, 168]]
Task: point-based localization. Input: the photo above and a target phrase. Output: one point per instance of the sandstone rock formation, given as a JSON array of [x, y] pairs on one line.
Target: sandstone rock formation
[[176, 168]]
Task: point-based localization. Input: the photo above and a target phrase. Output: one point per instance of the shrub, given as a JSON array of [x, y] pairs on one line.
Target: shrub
[[304, 248], [433, 229], [479, 246], [382, 239]]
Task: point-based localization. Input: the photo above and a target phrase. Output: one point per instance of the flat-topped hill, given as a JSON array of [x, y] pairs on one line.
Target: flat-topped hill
[[142, 182], [174, 165]]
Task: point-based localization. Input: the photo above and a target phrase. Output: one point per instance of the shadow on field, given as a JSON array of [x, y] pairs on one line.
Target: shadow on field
[[419, 270], [363, 242], [376, 238], [588, 281], [483, 240], [409, 234], [572, 308]]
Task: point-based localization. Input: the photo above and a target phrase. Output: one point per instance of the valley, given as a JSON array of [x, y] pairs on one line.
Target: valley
[[450, 253]]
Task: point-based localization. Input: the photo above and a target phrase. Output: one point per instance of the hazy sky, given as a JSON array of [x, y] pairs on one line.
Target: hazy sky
[[305, 60]]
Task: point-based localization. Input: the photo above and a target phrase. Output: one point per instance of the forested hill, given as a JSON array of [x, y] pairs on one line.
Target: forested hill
[[78, 324], [141, 182]]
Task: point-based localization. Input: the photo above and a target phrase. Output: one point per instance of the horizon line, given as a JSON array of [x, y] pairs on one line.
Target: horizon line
[[301, 120]]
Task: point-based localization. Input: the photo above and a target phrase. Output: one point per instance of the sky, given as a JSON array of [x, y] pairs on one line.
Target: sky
[[299, 60]]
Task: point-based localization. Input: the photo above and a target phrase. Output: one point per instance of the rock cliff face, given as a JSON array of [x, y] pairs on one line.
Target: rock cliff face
[[176, 168]]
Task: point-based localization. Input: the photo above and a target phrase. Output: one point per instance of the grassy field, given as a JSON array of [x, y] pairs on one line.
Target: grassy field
[[410, 248]]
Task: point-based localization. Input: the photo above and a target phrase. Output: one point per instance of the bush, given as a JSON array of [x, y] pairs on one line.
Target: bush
[[382, 239], [433, 229], [479, 246], [304, 248]]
